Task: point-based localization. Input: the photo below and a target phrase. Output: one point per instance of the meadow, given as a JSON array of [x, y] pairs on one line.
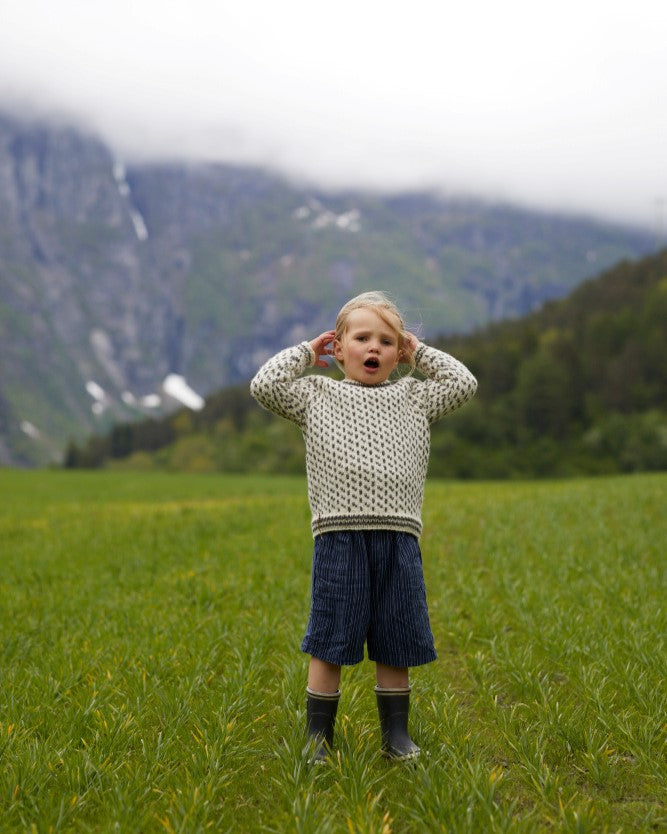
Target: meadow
[[151, 678]]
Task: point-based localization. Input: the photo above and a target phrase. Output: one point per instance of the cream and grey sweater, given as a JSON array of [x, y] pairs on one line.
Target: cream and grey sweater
[[367, 446]]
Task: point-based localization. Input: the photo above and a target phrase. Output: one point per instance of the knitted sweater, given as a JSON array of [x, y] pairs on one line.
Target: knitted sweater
[[367, 446]]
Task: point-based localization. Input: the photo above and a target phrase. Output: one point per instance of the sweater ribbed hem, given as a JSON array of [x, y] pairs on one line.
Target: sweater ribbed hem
[[337, 523]]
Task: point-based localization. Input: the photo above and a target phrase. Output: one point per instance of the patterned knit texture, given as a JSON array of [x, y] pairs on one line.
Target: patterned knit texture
[[367, 446]]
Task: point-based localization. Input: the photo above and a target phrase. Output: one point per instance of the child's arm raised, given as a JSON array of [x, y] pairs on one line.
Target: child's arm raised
[[277, 384], [449, 384]]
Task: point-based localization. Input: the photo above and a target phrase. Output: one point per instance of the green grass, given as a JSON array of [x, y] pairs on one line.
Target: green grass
[[152, 680]]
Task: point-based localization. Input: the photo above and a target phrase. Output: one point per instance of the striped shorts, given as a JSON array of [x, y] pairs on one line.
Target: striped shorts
[[368, 587]]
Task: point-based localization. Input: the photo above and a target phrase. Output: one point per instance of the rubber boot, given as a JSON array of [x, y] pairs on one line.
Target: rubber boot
[[321, 710], [393, 709]]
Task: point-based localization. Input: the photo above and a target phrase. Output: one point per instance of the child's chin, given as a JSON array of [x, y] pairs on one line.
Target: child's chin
[[374, 379]]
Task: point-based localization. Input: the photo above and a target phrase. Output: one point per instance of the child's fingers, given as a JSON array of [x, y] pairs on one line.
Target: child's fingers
[[324, 339], [319, 346]]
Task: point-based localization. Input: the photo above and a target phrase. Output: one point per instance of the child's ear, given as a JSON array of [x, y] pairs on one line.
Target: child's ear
[[338, 350]]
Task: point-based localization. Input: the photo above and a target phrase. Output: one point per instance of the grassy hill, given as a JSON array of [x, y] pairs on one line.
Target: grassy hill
[[579, 387]]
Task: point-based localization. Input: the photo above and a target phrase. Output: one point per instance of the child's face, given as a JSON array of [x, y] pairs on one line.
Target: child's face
[[368, 349]]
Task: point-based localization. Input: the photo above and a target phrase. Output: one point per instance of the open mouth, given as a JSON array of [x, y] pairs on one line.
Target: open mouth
[[371, 363]]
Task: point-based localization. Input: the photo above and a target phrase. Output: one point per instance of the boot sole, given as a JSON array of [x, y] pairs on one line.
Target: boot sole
[[404, 757]]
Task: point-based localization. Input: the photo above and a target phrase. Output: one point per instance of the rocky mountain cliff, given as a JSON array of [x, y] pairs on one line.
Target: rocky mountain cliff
[[126, 290]]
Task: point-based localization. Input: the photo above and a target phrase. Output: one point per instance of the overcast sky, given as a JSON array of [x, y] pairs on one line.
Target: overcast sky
[[559, 104]]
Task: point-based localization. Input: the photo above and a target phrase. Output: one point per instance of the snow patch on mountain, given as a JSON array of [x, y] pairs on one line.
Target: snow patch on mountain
[[31, 430], [119, 175], [151, 401], [96, 391], [319, 217], [139, 226], [175, 386], [103, 349]]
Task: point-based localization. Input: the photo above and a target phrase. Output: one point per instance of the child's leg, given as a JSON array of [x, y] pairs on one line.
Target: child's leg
[[323, 676], [321, 707], [393, 700], [392, 677]]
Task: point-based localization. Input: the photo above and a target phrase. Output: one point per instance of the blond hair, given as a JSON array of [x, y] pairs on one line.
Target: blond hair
[[388, 312]]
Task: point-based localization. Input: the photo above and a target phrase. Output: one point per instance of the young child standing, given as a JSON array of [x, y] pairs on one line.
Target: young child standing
[[367, 447]]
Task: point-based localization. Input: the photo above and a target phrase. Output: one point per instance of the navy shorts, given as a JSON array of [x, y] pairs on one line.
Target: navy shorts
[[368, 587]]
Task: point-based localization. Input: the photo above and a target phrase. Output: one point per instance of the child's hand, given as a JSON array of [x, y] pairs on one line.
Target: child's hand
[[319, 347], [411, 342]]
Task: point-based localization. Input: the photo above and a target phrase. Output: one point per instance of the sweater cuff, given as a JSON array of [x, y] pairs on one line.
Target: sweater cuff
[[419, 352], [311, 353]]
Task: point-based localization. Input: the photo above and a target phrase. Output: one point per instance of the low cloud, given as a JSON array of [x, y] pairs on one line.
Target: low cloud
[[558, 107]]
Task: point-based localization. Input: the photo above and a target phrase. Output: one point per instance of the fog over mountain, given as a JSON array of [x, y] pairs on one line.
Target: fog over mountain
[[554, 107]]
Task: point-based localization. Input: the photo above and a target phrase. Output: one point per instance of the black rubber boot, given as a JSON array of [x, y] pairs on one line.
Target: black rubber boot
[[321, 710], [393, 709]]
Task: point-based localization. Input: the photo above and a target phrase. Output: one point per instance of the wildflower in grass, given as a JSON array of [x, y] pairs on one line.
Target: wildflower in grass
[[367, 448]]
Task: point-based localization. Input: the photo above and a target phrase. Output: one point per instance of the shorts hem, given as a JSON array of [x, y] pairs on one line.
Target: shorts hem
[[336, 658], [341, 659]]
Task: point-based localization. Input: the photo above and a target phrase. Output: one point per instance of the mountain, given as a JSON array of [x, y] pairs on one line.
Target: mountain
[[578, 387], [129, 290]]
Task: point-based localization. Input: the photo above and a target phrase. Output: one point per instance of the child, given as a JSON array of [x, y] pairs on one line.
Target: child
[[367, 447]]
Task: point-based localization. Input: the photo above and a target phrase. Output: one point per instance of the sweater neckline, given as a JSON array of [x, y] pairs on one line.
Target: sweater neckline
[[358, 384]]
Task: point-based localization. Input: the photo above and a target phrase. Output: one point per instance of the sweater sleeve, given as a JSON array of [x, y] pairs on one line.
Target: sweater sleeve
[[448, 384], [277, 385]]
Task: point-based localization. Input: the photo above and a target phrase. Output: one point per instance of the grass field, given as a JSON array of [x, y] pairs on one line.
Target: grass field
[[152, 680]]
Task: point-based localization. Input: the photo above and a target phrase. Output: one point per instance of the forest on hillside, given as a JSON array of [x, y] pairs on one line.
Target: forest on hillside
[[578, 387]]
